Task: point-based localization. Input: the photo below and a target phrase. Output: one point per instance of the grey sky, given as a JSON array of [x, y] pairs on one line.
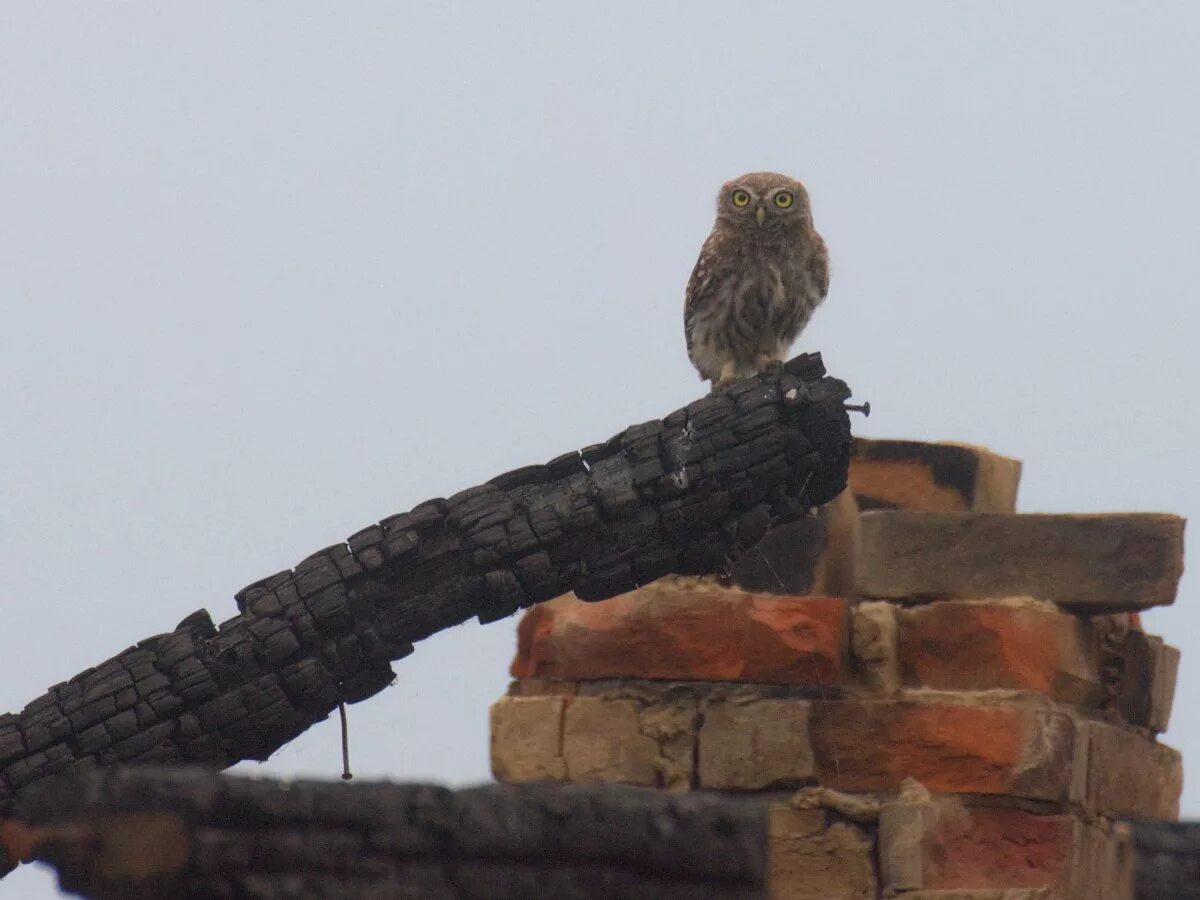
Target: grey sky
[[272, 271]]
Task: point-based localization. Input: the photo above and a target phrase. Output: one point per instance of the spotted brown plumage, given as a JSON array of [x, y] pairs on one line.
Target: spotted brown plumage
[[762, 272]]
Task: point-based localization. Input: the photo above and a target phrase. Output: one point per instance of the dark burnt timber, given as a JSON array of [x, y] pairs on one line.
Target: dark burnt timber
[[685, 494], [1167, 860], [187, 833]]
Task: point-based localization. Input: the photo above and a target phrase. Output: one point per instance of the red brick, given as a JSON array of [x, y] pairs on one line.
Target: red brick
[[939, 845], [1013, 749], [668, 633], [980, 646], [1009, 848], [754, 736]]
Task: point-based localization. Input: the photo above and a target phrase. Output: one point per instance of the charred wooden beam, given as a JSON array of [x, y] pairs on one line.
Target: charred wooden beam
[[1167, 860], [685, 494], [188, 833]]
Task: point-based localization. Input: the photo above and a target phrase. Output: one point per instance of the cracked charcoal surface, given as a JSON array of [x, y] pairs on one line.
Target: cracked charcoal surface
[[244, 837], [1167, 860], [682, 495]]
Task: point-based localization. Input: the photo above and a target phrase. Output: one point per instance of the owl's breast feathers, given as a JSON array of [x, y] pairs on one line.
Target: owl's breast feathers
[[749, 299]]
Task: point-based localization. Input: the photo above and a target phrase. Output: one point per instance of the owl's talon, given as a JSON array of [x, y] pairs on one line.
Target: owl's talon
[[726, 377]]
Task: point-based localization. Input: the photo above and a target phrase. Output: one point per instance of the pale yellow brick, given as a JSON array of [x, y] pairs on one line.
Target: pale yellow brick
[[755, 745], [526, 738], [603, 741], [813, 857]]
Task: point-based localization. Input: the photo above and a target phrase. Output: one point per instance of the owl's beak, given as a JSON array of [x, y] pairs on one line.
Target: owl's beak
[[761, 215]]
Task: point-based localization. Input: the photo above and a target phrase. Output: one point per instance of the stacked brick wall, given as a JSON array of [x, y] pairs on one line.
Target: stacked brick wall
[[969, 714]]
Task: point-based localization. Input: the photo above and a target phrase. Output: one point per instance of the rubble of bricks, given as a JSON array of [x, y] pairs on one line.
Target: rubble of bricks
[[948, 699]]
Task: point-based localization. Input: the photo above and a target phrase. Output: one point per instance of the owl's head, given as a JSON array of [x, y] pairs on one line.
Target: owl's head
[[764, 203]]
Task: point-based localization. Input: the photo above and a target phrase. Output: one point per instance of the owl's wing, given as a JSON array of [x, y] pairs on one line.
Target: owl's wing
[[818, 265], [699, 288]]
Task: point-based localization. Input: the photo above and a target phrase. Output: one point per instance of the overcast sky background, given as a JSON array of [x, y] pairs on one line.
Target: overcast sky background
[[270, 272]]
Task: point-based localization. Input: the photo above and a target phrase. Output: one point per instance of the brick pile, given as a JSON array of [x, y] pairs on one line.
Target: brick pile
[[952, 700]]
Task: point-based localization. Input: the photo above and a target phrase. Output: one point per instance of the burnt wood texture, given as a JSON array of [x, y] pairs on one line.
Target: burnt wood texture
[[188, 833], [1167, 860], [685, 495]]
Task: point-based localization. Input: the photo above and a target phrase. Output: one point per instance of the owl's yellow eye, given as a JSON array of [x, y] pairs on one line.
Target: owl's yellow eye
[[739, 197], [784, 199]]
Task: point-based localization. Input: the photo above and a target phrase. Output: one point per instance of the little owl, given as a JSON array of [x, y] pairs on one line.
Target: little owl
[[761, 273]]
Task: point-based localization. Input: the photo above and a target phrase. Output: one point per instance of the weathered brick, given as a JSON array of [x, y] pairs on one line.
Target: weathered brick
[[979, 646], [602, 741], [904, 827], [1104, 863], [1093, 563], [984, 894], [1004, 748], [666, 717], [527, 736], [1163, 678], [1146, 684], [542, 687], [750, 737], [816, 857], [1127, 774], [1008, 848], [940, 848], [937, 477], [755, 745], [687, 633]]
